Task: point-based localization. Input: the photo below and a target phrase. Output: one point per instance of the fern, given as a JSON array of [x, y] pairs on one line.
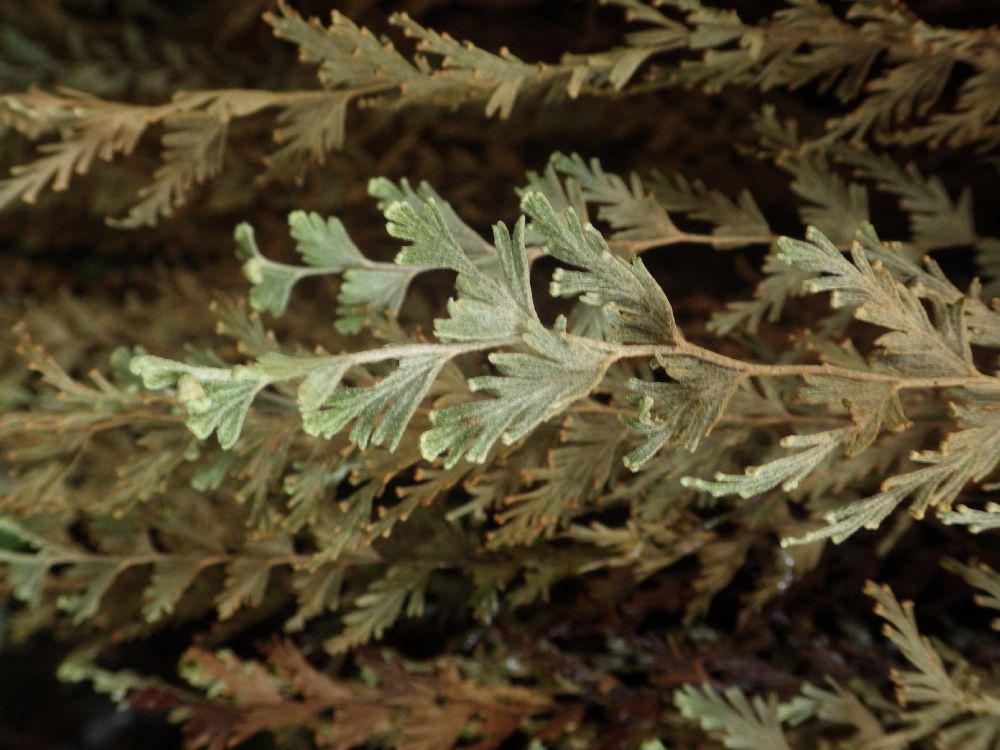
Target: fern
[[942, 701], [570, 481], [807, 43], [746, 725], [952, 705], [231, 700], [558, 369], [353, 66]]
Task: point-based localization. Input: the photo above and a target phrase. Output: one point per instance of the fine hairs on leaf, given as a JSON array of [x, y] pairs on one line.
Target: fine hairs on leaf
[[494, 310]]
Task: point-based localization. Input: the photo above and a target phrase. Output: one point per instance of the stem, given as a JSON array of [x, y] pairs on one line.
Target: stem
[[753, 370], [636, 247], [402, 351], [208, 561]]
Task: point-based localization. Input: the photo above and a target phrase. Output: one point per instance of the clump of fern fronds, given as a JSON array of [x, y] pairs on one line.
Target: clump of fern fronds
[[515, 480]]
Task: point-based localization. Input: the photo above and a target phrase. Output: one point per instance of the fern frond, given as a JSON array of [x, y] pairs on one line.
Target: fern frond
[[553, 369], [811, 43], [983, 577], [575, 472], [353, 66], [93, 128], [400, 592], [955, 706], [966, 456], [400, 706], [976, 520], [744, 724]]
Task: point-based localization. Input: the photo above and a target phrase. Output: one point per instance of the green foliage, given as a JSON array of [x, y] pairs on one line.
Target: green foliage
[[952, 705], [982, 577], [561, 465], [323, 245], [747, 725]]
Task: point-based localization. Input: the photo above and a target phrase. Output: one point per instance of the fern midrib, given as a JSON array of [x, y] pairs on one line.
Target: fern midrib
[[752, 370]]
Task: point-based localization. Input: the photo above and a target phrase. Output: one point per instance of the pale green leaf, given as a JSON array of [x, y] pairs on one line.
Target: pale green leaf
[[380, 412], [99, 575], [323, 243], [985, 579], [786, 471], [681, 412], [373, 290], [635, 216], [271, 282], [490, 308], [217, 399], [976, 520], [381, 606], [744, 724], [245, 586], [317, 591], [167, 584], [530, 389], [473, 245], [431, 242], [875, 296], [624, 289]]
